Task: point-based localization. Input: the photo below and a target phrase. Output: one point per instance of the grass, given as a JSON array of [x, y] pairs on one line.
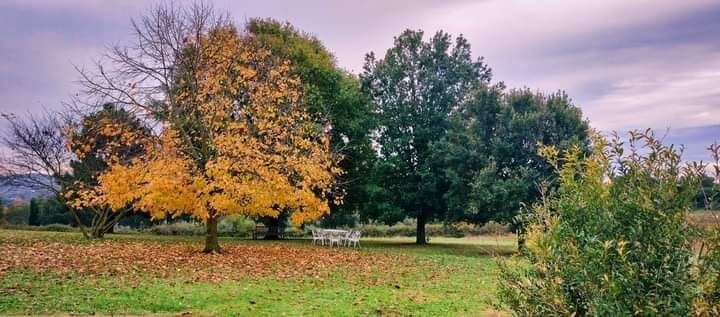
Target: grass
[[448, 277]]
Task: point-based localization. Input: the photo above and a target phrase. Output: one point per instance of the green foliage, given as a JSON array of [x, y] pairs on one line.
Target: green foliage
[[236, 225], [34, 216], [708, 303], [612, 240], [413, 90], [55, 227], [180, 228], [433, 230], [17, 213], [490, 153]]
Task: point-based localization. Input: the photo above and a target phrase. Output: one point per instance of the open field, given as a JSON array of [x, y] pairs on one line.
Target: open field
[[56, 273]]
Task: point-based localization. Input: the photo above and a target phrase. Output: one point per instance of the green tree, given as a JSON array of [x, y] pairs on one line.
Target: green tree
[[334, 97], [490, 154], [34, 216], [413, 89]]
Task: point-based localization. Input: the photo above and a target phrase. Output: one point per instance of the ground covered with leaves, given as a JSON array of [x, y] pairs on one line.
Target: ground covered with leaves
[[56, 273]]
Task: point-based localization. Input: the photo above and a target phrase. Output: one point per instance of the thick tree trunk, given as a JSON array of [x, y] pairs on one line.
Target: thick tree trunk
[[211, 240], [273, 226], [420, 237]]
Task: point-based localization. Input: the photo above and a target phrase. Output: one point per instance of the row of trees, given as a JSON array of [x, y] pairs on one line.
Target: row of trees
[[199, 117]]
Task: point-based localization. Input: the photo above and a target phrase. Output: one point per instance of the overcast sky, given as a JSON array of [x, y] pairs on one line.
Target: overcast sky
[[627, 64]]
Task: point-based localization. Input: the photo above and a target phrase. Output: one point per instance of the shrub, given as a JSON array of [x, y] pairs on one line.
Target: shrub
[[236, 225], [58, 227], [17, 213], [493, 228], [612, 241], [180, 228], [708, 301], [407, 229]]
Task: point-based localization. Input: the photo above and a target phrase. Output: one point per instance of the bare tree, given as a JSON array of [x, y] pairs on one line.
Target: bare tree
[[140, 75], [37, 156]]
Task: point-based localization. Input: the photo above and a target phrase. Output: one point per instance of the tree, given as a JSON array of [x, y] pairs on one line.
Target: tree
[[492, 167], [108, 136], [34, 216], [37, 156], [612, 240], [332, 96], [235, 138], [413, 90]]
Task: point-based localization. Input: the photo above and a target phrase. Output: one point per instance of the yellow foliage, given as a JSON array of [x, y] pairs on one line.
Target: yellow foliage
[[257, 155]]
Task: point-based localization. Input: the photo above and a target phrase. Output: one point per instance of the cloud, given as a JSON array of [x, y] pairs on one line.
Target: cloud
[[627, 64]]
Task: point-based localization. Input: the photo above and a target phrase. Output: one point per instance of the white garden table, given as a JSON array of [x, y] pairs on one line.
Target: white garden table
[[334, 235]]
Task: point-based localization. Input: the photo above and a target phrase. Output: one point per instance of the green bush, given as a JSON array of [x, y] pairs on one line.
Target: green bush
[[180, 228], [58, 227], [612, 241], [708, 302], [493, 228], [236, 225], [17, 213], [407, 229]]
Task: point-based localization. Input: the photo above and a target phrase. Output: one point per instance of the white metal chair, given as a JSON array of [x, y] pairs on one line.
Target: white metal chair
[[335, 238], [353, 238], [318, 237]]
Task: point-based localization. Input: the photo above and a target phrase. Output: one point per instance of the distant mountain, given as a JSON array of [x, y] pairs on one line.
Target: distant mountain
[[17, 189]]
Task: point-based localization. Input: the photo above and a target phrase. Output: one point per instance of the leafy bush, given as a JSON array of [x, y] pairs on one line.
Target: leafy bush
[[612, 241], [58, 227], [180, 228], [461, 229], [493, 228], [236, 225], [708, 301], [17, 213]]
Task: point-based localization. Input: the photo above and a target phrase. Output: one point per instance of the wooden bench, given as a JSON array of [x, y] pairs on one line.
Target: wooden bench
[[259, 231]]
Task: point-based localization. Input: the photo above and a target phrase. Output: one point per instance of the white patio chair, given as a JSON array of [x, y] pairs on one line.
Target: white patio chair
[[353, 238], [318, 237], [335, 238]]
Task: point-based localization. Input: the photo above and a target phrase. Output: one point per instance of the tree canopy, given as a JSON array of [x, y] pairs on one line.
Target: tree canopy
[[414, 88], [235, 137]]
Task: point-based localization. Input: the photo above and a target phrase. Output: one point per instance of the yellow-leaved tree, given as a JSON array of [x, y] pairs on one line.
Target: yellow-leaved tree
[[235, 139]]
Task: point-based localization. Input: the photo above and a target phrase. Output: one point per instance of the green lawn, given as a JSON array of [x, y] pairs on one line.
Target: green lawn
[[386, 277]]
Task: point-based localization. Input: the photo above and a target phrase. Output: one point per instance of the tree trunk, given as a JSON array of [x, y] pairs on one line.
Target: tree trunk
[[273, 227], [420, 237], [211, 240]]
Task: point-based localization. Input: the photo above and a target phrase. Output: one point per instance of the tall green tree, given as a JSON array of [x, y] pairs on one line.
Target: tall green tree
[[491, 160], [332, 95], [414, 88]]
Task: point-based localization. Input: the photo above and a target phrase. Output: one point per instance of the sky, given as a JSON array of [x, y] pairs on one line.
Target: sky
[[627, 64]]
